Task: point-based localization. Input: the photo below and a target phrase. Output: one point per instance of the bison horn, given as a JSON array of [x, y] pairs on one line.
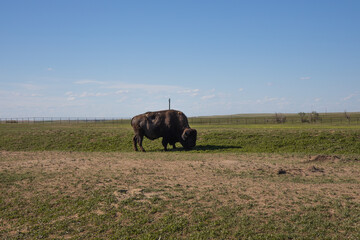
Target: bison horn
[[186, 133]]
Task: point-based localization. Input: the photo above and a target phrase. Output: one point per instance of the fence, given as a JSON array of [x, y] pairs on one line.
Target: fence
[[272, 120], [192, 120], [68, 120]]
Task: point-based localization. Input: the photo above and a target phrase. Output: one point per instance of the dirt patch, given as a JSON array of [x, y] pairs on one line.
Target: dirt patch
[[120, 184], [254, 183], [315, 169], [226, 177], [324, 158]]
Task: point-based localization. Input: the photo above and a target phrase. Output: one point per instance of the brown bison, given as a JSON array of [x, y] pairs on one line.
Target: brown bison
[[171, 125]]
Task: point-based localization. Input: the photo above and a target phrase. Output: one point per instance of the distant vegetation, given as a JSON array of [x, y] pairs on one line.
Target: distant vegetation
[[312, 117]]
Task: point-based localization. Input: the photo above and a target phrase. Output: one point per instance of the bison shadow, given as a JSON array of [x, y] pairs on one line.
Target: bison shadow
[[203, 148], [215, 147]]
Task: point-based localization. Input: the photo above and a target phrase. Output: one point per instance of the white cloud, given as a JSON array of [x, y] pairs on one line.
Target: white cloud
[[122, 91], [91, 94], [191, 92], [70, 96], [208, 97], [84, 94], [149, 88], [266, 100], [349, 96], [88, 81], [270, 100], [50, 69], [240, 89], [122, 99], [101, 94], [30, 86], [305, 78]]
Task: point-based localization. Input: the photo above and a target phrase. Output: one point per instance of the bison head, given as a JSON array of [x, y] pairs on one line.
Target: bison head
[[189, 138]]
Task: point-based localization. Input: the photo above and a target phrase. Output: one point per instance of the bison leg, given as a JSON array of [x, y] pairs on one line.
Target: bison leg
[[140, 140], [134, 143], [164, 143], [137, 139], [174, 147]]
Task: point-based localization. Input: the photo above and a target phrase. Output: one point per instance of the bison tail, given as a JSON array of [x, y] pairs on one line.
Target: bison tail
[[132, 121]]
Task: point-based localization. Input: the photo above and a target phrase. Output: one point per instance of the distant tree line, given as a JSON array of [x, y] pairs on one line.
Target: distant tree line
[[312, 117]]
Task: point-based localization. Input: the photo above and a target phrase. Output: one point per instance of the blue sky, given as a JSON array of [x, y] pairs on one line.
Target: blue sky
[[121, 58]]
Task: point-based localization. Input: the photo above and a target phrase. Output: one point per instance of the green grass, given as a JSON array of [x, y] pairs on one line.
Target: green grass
[[308, 139]]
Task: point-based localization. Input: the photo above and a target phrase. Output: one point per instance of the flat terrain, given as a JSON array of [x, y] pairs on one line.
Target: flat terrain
[[276, 138], [178, 195], [84, 181]]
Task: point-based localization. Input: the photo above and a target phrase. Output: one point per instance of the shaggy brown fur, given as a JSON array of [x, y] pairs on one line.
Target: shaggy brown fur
[[171, 125]]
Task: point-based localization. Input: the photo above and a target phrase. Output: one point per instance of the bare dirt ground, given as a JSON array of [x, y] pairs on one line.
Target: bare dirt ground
[[264, 183], [272, 181]]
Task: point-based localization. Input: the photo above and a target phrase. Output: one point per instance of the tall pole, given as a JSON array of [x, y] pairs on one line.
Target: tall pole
[[169, 103]]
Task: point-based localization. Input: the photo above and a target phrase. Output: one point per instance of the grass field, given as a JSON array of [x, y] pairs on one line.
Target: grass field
[[276, 138], [84, 181]]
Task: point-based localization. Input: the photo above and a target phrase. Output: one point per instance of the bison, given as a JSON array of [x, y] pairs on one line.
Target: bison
[[171, 125]]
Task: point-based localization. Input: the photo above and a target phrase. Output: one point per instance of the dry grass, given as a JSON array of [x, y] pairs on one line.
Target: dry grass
[[178, 195]]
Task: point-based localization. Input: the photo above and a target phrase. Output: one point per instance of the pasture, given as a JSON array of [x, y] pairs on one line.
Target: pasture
[[83, 181]]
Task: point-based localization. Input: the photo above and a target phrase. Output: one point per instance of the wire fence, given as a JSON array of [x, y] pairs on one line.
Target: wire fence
[[192, 120], [272, 120], [63, 120]]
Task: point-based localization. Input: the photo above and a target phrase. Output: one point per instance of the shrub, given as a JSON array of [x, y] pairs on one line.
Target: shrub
[[303, 117], [280, 118], [315, 117]]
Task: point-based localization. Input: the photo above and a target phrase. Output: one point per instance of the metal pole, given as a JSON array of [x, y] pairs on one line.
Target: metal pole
[[169, 103]]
